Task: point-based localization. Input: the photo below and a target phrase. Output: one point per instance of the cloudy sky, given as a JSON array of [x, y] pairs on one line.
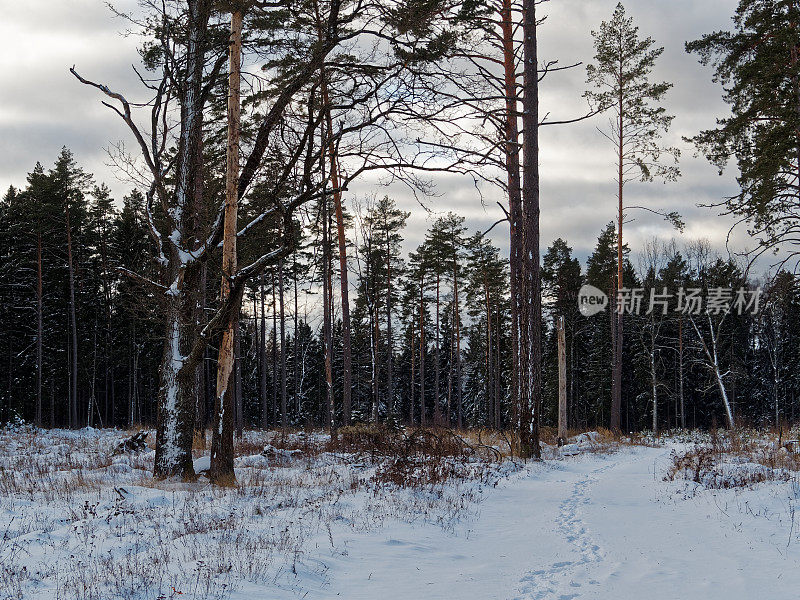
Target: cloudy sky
[[42, 108]]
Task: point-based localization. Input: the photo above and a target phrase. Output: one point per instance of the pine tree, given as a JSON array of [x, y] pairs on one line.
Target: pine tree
[[621, 81], [486, 290], [758, 66]]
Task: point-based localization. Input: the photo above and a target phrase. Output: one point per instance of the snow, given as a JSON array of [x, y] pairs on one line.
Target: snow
[[202, 464], [596, 522], [171, 451]]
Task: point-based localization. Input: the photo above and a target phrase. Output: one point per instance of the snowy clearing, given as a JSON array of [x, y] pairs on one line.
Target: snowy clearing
[[593, 522]]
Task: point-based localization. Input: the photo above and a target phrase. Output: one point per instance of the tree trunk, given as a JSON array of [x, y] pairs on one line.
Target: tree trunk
[[654, 387], [497, 407], [295, 370], [437, 415], [73, 323], [457, 319], [374, 333], [516, 225], [175, 427], [491, 409], [528, 426], [284, 407], [422, 411], [274, 352], [237, 378], [93, 379], [175, 413], [389, 339], [680, 372], [200, 370], [262, 361], [39, 330], [347, 354], [562, 383], [411, 381], [616, 396], [221, 471], [326, 325]]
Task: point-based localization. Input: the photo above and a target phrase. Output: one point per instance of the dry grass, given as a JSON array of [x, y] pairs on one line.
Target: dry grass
[[731, 459], [116, 533]]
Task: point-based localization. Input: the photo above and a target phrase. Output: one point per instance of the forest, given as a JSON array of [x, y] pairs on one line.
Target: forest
[[476, 299], [430, 339], [333, 319]]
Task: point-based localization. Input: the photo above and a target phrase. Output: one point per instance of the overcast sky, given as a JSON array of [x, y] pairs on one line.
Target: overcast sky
[[42, 108]]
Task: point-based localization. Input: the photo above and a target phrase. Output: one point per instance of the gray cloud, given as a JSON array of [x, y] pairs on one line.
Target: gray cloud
[[42, 108]]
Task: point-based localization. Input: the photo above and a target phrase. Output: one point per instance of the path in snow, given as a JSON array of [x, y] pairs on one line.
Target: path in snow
[[591, 527]]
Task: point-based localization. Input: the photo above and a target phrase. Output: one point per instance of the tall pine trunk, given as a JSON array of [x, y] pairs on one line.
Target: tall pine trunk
[[457, 319], [296, 316], [284, 408], [389, 339], [616, 387], [221, 471], [422, 411], [39, 330], [680, 372], [437, 415], [326, 324], [73, 324], [262, 360], [491, 409], [413, 365], [347, 353], [514, 203], [531, 329]]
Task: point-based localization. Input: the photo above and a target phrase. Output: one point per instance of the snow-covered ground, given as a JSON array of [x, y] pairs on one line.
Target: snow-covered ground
[[78, 523]]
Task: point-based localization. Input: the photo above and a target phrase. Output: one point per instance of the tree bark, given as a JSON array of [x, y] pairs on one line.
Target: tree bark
[[275, 369], [562, 383], [680, 372], [221, 471], [39, 329], [457, 319], [262, 358], [389, 339], [347, 353], [616, 397], [284, 407], [514, 203], [175, 413], [73, 323], [237, 379], [295, 370], [437, 413], [531, 329], [491, 409], [326, 325], [422, 411], [413, 365]]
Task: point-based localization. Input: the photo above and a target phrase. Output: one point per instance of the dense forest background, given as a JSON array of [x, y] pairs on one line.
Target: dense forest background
[[430, 329]]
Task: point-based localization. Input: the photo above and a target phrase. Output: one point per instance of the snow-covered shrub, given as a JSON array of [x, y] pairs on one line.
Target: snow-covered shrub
[[732, 463]]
